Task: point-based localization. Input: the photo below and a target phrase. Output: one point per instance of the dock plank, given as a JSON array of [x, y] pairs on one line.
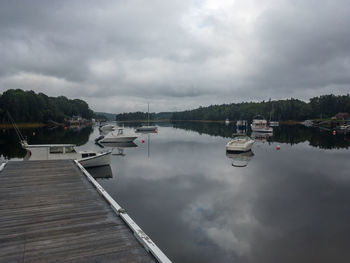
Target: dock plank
[[49, 212]]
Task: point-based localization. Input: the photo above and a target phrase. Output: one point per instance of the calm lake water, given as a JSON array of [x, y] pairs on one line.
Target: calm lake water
[[291, 205]]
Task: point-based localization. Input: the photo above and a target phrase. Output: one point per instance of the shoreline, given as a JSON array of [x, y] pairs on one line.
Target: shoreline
[[202, 121]]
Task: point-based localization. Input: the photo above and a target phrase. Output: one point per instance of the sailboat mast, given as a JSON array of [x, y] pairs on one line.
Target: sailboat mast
[[148, 114]]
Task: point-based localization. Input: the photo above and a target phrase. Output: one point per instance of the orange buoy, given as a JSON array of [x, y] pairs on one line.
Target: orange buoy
[[278, 147]]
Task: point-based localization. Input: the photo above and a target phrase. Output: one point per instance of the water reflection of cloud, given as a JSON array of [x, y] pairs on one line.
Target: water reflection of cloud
[[198, 207]]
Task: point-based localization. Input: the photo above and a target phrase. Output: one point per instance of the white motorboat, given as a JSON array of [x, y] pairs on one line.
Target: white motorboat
[[240, 143], [260, 125], [65, 151], [118, 137]]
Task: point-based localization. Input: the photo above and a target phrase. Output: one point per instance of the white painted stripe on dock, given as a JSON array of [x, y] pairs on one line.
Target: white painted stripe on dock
[[145, 240]]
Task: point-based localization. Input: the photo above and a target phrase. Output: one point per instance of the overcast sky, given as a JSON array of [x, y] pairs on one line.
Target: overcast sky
[[119, 55]]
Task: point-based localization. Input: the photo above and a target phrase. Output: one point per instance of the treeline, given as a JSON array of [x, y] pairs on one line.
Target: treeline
[[27, 106], [325, 106], [141, 116]]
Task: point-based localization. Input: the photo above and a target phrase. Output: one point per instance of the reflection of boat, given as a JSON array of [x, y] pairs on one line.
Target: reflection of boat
[[240, 143], [65, 151], [119, 137], [259, 136], [101, 172], [146, 128], [343, 128], [240, 159], [119, 144], [260, 125]]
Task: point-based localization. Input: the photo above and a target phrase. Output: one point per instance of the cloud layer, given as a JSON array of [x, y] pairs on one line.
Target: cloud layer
[[119, 55]]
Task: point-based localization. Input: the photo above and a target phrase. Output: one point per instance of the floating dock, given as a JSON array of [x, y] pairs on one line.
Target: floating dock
[[54, 211]]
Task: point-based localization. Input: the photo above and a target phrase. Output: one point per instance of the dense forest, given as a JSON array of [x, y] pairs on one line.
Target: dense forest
[[141, 116], [27, 106], [325, 106]]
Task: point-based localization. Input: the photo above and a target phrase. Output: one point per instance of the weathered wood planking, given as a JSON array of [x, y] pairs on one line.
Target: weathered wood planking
[[49, 212]]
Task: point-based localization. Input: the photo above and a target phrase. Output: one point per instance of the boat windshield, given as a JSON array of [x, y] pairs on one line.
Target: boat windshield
[[56, 149], [69, 149], [240, 137]]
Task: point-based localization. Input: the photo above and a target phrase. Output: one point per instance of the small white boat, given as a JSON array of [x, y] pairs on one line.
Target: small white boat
[[118, 137], [274, 123], [107, 127], [64, 152], [308, 123], [260, 125], [146, 128], [227, 121], [240, 143]]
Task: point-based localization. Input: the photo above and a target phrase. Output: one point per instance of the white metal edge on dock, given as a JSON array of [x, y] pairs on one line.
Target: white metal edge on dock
[[2, 166], [145, 240]]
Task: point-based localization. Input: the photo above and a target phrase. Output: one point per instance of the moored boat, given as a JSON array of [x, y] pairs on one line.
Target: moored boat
[[240, 143], [120, 136], [259, 124], [146, 128], [64, 152]]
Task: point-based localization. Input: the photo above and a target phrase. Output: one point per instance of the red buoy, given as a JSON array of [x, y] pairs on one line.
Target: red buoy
[[278, 147], [143, 140], [334, 132]]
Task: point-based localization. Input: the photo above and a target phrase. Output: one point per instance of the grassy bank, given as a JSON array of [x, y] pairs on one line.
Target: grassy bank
[[22, 125]]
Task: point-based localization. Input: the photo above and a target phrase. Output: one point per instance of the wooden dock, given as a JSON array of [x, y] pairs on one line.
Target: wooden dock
[[51, 212]]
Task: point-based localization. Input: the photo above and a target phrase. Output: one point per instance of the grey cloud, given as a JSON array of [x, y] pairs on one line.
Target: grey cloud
[[180, 51]]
